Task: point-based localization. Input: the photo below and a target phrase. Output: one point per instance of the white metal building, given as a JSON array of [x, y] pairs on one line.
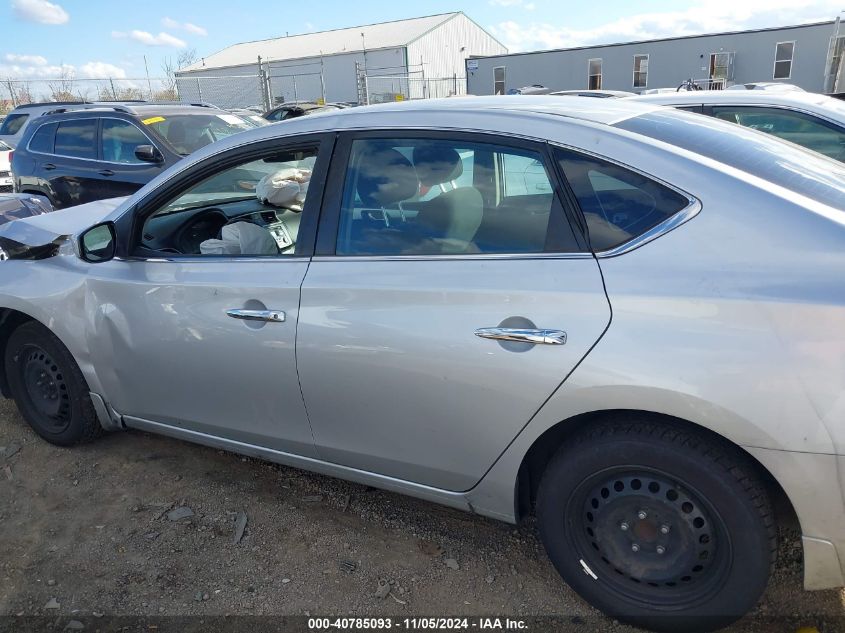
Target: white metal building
[[414, 58]]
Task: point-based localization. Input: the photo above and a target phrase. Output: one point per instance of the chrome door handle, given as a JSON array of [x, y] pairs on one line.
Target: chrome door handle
[[539, 336], [274, 316]]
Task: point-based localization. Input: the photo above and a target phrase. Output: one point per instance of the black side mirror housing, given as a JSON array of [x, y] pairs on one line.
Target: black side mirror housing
[[98, 243], [149, 154]]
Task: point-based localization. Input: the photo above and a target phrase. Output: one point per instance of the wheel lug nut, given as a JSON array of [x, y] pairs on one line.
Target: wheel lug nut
[[624, 526], [635, 548], [664, 529], [660, 549], [642, 514]]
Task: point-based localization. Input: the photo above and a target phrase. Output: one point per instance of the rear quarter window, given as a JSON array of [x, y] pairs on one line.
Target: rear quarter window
[[13, 123], [42, 140], [618, 204]]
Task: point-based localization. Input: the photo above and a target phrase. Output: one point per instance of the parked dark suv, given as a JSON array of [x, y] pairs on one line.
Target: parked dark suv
[[77, 156]]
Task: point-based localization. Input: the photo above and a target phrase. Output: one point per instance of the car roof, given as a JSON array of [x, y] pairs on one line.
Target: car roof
[[134, 110]]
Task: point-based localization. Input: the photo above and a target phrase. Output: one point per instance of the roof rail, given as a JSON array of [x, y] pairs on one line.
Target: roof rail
[[88, 110], [41, 104]]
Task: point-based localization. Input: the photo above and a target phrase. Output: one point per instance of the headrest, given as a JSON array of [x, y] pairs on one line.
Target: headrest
[[386, 176], [436, 164]]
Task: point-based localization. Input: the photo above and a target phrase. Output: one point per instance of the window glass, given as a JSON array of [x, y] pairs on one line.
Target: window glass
[[42, 140], [783, 60], [618, 204], [808, 173], [803, 129], [594, 74], [119, 141], [251, 209], [440, 197], [640, 71], [76, 138], [13, 123], [499, 80], [189, 132]]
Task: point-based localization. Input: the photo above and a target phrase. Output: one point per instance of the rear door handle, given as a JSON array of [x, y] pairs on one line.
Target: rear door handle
[[49, 166], [106, 172], [537, 336], [273, 316]]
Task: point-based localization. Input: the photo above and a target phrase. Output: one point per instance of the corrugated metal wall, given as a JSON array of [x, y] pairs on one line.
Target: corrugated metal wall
[[444, 49], [670, 61]]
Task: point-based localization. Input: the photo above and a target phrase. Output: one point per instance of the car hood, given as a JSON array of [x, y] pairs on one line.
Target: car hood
[[43, 230]]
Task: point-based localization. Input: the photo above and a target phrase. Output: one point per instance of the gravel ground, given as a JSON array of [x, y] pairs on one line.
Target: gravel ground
[[89, 532]]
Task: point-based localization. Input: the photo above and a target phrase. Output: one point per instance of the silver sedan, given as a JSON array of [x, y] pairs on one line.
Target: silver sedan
[[625, 319]]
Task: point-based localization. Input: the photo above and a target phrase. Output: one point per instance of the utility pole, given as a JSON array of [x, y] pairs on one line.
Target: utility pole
[[149, 85]]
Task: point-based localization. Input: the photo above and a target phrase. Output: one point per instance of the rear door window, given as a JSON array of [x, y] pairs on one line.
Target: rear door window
[[75, 138], [618, 204], [42, 140], [13, 123]]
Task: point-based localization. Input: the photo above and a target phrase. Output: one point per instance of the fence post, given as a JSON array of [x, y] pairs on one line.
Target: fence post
[[264, 86], [12, 94], [199, 89]]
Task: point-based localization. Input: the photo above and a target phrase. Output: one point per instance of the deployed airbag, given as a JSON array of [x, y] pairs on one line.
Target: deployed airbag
[[241, 238], [285, 188]]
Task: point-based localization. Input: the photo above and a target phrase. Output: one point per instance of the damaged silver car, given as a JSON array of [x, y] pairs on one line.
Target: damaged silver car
[[623, 319]]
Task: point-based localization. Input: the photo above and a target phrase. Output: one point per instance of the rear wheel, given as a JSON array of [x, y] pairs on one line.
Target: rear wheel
[[664, 528], [48, 387]]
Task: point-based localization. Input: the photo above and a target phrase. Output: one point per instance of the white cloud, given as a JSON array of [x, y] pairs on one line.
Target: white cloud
[[100, 70], [170, 23], [34, 71], [31, 60], [162, 39], [40, 11], [711, 17], [515, 4]]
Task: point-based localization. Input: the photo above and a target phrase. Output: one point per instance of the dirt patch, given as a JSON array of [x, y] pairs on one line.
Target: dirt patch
[[136, 524]]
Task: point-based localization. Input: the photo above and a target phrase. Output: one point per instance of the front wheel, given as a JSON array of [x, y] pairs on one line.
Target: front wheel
[[659, 526], [48, 387]]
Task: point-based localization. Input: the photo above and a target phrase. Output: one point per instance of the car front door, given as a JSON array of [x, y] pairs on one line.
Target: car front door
[[449, 297], [194, 325], [122, 172]]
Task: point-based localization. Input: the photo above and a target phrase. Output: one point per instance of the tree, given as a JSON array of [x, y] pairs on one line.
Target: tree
[[170, 88], [62, 88]]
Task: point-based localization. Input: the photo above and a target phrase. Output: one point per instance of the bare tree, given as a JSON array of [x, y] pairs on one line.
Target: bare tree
[[62, 88], [170, 89]]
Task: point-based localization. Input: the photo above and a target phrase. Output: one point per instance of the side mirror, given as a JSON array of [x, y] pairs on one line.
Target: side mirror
[[98, 243], [148, 154]]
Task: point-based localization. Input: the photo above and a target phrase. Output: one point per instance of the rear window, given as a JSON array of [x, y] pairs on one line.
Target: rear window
[[618, 204], [76, 138], [762, 155], [13, 123], [42, 140]]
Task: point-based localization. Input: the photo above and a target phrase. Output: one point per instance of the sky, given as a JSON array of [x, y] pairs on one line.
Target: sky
[[109, 38]]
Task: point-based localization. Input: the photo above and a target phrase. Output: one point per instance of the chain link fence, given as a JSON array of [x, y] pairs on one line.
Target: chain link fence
[[266, 87]]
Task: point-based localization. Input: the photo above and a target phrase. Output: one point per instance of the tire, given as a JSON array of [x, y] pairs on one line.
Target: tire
[[48, 387], [626, 488]]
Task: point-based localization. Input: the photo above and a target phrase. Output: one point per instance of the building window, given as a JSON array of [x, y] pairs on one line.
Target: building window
[[640, 71], [783, 60], [499, 80], [594, 74]]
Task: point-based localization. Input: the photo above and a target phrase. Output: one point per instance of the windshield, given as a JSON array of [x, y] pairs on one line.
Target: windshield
[[762, 155], [189, 132]]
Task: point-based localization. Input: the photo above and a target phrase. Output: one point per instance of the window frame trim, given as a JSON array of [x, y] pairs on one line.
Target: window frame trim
[[327, 232], [791, 61], [634, 71]]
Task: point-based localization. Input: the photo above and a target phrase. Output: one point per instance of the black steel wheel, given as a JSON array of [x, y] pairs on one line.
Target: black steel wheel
[[658, 525], [48, 386]]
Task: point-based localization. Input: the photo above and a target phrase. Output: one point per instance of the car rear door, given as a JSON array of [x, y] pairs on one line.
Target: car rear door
[[450, 296]]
